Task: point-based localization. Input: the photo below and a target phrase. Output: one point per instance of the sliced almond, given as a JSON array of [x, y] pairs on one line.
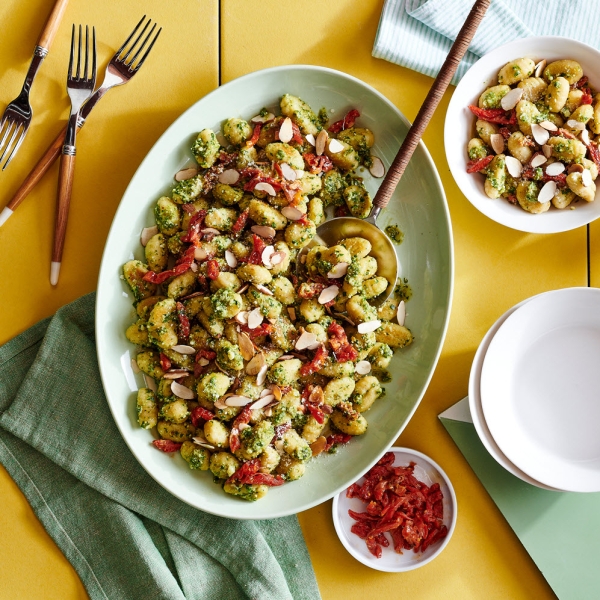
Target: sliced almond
[[540, 134], [246, 346], [203, 362], [368, 326], [264, 289], [286, 357], [548, 126], [305, 340], [242, 317], [513, 166], [263, 231], [538, 160], [299, 173], [314, 346], [237, 401], [266, 256], [555, 168], [147, 233], [363, 367], [573, 124], [319, 445], [210, 231], [292, 313], [176, 374], [202, 442], [134, 366], [230, 259], [150, 383], [286, 131], [243, 288], [376, 169], [310, 138], [186, 174], [575, 168], [547, 192], [181, 391], [288, 173], [497, 143], [277, 392], [401, 313], [320, 142], [509, 101], [256, 364], [262, 402], [194, 267], [586, 178], [585, 137], [328, 294], [547, 150], [263, 119], [255, 318], [263, 186], [335, 147], [262, 375], [184, 349], [200, 254], [229, 176], [220, 403], [338, 270], [539, 68], [291, 213], [277, 258], [345, 318]]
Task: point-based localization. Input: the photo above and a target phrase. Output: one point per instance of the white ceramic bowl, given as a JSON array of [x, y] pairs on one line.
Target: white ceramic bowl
[[427, 471], [459, 128]]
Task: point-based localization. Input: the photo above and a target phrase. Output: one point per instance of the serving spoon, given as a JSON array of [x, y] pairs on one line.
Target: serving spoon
[[332, 231]]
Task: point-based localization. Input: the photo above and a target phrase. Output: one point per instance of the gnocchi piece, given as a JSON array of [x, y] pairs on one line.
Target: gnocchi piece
[[518, 146], [366, 391], [216, 433], [223, 465], [492, 96], [162, 328], [284, 153], [394, 335], [533, 88], [157, 253], [176, 432], [515, 71], [236, 131], [568, 69], [301, 113], [206, 148], [576, 185], [197, 457], [263, 214], [146, 408], [134, 272], [485, 130], [285, 372], [527, 114], [496, 177], [349, 426], [557, 94], [527, 193], [338, 390]]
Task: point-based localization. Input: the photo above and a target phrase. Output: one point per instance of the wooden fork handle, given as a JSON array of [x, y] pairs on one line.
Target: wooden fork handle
[[52, 24], [65, 187], [432, 100]]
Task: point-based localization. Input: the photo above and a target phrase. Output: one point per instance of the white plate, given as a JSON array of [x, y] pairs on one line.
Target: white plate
[[476, 409], [459, 128], [540, 386], [427, 471], [418, 207]]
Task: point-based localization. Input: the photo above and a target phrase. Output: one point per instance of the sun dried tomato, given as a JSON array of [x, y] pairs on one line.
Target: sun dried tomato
[[255, 135], [200, 413], [240, 222], [346, 122], [477, 165], [317, 164], [181, 266], [341, 211], [594, 152], [184, 322], [194, 227], [560, 179], [296, 135], [504, 132], [263, 479], [262, 329], [343, 350], [249, 468], [207, 354], [165, 363], [512, 199], [317, 362], [587, 96], [212, 269], [580, 82], [564, 133], [495, 115], [336, 438], [226, 158], [166, 445], [234, 435], [250, 185], [258, 245], [310, 289]]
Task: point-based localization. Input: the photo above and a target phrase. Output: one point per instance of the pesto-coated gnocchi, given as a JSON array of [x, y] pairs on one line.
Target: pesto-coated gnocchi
[[534, 136], [254, 365]]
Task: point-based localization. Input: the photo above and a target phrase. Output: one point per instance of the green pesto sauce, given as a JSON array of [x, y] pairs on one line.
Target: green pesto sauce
[[394, 233], [402, 291], [323, 116]]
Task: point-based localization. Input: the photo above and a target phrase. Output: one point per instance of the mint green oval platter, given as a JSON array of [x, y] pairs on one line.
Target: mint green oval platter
[[418, 207]]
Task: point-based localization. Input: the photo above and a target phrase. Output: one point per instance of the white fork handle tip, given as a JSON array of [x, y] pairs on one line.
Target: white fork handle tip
[[5, 215], [54, 272]]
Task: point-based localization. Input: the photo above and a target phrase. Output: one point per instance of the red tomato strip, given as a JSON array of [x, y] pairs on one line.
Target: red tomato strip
[[166, 445], [255, 135], [476, 165], [346, 122], [316, 363], [495, 115], [165, 363], [317, 164], [212, 269], [181, 266], [200, 413], [343, 350]]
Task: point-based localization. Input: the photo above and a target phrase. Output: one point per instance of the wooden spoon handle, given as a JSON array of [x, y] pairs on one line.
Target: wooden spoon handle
[[52, 24], [432, 100]]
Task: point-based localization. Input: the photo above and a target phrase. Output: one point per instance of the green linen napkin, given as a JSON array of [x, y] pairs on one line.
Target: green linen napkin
[[124, 534]]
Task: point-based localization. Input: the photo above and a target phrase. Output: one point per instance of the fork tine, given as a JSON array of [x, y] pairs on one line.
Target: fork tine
[[141, 61], [128, 65], [78, 55], [87, 51], [137, 39], [72, 52], [130, 36], [93, 57], [16, 147], [10, 141], [9, 125]]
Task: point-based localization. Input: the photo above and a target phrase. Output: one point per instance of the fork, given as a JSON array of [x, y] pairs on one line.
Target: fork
[[17, 115], [79, 87], [119, 71]]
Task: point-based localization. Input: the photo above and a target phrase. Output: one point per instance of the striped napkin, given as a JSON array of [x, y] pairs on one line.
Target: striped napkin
[[418, 34]]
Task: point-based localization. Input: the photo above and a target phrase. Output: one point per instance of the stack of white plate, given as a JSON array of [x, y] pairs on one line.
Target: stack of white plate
[[534, 390]]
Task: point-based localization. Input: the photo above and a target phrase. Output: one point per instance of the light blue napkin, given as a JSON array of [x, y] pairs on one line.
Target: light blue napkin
[[418, 34]]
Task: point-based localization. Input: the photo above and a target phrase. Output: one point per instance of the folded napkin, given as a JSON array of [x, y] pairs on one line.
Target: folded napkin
[[126, 536], [418, 34]]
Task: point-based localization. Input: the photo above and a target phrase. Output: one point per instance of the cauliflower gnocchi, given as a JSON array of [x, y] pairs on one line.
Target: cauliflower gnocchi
[[252, 368], [534, 136]]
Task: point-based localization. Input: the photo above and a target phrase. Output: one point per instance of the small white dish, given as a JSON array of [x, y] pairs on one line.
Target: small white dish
[[476, 409], [427, 471], [539, 388], [459, 128]]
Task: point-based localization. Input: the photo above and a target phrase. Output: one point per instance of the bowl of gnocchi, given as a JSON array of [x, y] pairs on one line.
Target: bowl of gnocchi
[[247, 385], [522, 132]]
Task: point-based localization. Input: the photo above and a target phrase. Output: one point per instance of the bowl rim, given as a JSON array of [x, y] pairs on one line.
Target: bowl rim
[[522, 220], [365, 557], [105, 269]]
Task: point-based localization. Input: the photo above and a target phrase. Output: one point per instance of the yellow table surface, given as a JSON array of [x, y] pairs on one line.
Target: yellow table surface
[[205, 43]]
